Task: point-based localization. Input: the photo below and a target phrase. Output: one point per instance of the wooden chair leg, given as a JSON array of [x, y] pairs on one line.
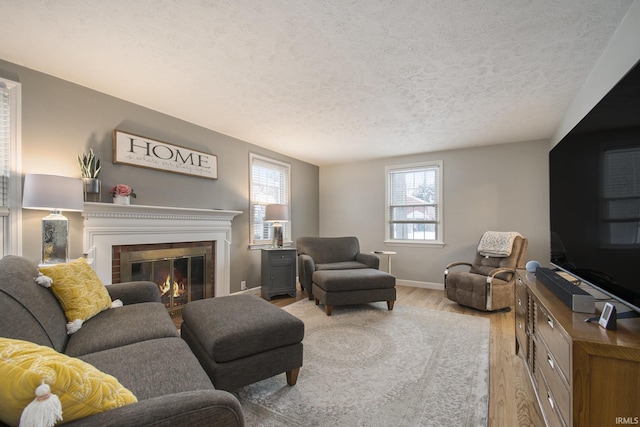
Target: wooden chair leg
[[329, 309], [390, 305], [292, 376], [317, 301]]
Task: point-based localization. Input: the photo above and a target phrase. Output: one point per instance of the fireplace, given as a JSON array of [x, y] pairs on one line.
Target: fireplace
[[108, 225], [182, 271]]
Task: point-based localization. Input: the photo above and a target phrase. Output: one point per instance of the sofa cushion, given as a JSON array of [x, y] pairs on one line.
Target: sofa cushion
[[153, 368], [121, 326], [29, 311], [78, 288], [82, 389]]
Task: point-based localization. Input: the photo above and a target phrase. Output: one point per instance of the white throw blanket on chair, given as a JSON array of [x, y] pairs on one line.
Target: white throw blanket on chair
[[497, 243]]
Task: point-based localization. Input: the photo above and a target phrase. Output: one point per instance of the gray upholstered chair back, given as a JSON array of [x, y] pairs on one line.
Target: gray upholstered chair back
[[27, 310], [326, 250]]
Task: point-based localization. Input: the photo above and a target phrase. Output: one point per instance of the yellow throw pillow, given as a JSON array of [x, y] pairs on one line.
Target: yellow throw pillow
[[82, 389], [78, 288]]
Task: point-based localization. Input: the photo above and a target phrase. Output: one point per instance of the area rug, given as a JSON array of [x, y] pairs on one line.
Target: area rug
[[366, 366]]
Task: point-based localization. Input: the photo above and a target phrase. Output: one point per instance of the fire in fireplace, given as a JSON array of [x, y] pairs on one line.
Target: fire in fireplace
[[182, 274]]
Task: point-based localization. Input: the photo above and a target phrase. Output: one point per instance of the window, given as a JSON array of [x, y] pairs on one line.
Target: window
[[621, 193], [10, 179], [269, 185], [414, 203]]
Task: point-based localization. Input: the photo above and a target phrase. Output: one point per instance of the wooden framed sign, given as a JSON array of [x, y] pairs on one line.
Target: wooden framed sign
[[136, 150]]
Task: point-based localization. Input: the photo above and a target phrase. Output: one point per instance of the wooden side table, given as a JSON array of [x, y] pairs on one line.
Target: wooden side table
[[388, 254], [278, 272]]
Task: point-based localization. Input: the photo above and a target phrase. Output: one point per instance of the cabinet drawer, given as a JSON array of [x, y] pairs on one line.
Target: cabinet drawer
[[554, 381], [548, 403], [555, 339], [281, 258]]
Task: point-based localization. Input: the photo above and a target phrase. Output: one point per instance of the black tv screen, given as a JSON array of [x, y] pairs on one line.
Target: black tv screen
[[594, 178]]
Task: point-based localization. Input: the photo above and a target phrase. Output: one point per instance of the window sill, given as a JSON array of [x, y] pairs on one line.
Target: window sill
[[416, 243]]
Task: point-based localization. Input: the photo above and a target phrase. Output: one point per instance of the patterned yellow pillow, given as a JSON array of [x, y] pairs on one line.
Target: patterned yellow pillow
[[78, 288], [82, 389]]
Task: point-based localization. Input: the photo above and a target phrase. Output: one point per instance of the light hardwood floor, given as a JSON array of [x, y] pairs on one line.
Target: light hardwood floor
[[512, 401]]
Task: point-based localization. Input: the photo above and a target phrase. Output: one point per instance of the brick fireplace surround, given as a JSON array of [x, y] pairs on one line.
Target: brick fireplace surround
[[107, 225]]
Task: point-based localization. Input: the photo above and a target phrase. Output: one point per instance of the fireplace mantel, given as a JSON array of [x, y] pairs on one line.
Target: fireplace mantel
[[106, 225]]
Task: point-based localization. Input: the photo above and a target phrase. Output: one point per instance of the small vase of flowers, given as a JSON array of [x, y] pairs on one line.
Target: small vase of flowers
[[122, 194]]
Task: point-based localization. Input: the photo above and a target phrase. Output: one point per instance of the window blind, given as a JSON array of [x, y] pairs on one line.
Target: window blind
[[269, 185], [5, 144]]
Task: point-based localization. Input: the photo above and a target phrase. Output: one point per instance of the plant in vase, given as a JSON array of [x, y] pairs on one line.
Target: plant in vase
[[90, 170], [121, 194]]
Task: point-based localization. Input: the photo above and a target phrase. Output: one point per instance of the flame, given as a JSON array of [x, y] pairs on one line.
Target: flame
[[178, 288]]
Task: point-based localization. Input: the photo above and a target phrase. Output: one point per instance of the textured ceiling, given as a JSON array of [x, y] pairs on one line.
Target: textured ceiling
[[327, 81]]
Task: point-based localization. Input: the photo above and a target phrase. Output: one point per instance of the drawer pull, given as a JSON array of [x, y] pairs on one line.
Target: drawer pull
[[550, 322], [550, 399], [550, 361]]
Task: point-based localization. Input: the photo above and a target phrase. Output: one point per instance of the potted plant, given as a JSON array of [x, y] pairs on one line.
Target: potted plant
[[90, 170], [121, 194]]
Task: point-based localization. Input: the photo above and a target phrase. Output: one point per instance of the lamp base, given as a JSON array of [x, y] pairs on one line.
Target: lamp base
[[276, 235], [55, 238]]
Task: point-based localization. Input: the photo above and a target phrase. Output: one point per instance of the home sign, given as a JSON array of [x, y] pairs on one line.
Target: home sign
[[136, 150]]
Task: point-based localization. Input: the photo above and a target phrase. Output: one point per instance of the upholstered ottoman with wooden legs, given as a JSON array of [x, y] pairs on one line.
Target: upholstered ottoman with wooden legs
[[242, 339], [357, 286]]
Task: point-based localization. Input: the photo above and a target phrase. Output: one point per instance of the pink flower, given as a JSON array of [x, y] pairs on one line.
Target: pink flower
[[122, 190]]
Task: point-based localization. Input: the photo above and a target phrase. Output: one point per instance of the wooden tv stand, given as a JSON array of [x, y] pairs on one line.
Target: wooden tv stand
[[583, 374]]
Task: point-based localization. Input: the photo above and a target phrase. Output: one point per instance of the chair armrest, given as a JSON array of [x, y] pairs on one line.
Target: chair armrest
[[134, 292], [187, 409], [456, 264], [497, 271], [306, 267], [370, 260], [450, 266]]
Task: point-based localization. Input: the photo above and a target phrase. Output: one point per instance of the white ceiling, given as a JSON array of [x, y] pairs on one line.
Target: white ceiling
[[327, 81]]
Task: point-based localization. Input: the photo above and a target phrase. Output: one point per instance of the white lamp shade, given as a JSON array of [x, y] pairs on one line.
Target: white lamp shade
[[52, 192], [276, 213]]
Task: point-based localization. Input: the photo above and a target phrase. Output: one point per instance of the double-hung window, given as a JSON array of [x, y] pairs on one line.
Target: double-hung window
[[414, 203], [621, 196], [10, 180], [269, 185]]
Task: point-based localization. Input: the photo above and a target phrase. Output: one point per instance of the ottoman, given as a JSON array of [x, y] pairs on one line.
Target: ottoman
[[242, 339], [358, 286]]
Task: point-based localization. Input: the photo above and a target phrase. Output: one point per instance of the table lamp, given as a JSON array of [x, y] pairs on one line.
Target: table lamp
[[55, 194], [276, 214]]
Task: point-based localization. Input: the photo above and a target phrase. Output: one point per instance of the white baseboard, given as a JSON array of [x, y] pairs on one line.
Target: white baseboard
[[417, 284]]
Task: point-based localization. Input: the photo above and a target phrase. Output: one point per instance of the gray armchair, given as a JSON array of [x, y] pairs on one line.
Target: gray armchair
[[488, 284], [330, 253]]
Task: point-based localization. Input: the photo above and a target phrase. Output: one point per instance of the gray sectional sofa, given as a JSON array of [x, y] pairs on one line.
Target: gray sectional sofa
[[138, 344]]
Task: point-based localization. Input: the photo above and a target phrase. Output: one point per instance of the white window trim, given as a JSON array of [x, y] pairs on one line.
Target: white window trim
[[440, 224], [264, 243], [12, 216]]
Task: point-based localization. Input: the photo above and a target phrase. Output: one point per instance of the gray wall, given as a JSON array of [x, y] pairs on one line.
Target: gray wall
[[61, 119], [499, 187]]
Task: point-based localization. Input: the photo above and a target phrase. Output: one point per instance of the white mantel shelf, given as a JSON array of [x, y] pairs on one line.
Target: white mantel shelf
[[107, 225]]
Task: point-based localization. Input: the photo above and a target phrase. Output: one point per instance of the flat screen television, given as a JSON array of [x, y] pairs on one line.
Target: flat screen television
[[594, 179]]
